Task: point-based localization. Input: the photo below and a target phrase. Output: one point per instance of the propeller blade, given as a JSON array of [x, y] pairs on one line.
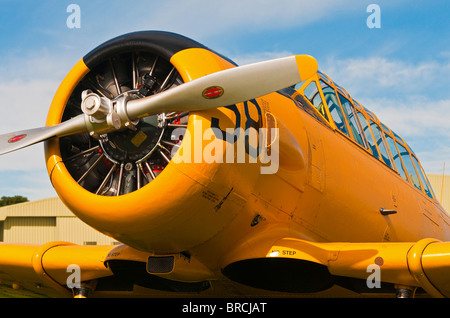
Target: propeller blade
[[21, 139], [211, 91], [227, 87]]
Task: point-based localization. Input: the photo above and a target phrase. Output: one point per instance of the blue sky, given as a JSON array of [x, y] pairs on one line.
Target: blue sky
[[400, 71]]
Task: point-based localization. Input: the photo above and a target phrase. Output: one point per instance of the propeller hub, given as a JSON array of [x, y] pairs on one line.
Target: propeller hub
[[95, 106]]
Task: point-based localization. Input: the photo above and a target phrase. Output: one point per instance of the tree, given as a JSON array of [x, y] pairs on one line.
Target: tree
[[12, 200]]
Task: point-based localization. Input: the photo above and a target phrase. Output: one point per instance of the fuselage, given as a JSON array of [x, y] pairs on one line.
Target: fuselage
[[320, 184]]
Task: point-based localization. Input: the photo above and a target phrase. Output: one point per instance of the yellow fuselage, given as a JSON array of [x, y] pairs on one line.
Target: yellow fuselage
[[327, 188]]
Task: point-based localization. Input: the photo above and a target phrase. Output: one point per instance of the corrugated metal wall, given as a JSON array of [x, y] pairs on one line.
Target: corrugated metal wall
[[74, 230], [29, 230], [43, 221]]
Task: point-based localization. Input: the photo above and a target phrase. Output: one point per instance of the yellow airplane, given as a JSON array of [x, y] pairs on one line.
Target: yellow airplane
[[267, 179]]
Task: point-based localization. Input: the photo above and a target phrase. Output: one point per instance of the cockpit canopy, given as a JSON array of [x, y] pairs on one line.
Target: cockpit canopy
[[332, 105]]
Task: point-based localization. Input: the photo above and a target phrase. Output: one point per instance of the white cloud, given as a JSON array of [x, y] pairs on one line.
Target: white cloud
[[422, 122], [258, 57], [33, 184], [28, 83], [25, 103], [411, 98], [412, 116], [200, 19], [374, 75], [27, 86]]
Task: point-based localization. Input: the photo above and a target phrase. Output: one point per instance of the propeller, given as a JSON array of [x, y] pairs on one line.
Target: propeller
[[231, 86]]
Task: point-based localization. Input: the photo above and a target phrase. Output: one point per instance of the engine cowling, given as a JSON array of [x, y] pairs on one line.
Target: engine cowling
[[125, 183]]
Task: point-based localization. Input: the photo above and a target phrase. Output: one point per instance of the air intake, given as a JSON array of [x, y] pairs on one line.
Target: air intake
[[160, 265]]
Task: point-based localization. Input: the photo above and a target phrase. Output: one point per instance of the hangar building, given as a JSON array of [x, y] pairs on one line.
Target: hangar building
[[46, 220]]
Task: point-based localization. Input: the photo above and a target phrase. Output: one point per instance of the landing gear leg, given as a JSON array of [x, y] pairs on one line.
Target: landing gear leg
[[83, 290], [402, 291]]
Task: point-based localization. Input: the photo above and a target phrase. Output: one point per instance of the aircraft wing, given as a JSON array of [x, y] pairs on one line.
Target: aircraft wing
[[47, 269], [425, 263], [289, 265], [304, 266]]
